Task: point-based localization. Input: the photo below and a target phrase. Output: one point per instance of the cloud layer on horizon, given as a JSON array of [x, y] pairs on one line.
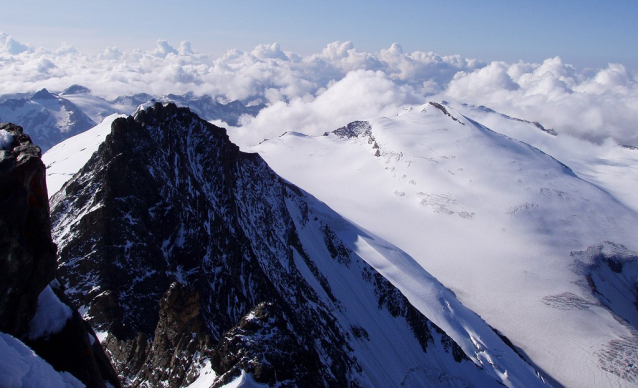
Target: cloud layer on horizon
[[319, 92]]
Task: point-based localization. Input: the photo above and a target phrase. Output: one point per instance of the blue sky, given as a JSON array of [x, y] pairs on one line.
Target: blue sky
[[586, 33]]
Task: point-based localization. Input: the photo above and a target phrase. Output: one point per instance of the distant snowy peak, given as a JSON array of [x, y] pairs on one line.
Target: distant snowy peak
[[76, 89], [209, 108], [50, 118], [43, 95], [47, 118]]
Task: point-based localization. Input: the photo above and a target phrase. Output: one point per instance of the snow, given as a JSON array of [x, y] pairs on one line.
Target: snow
[[246, 380], [50, 317], [101, 335], [206, 377], [21, 367], [492, 218], [5, 139], [68, 157], [97, 108], [607, 165], [394, 356]]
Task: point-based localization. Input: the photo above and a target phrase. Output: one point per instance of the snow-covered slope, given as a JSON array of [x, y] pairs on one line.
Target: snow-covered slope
[[66, 158], [536, 251], [612, 167]]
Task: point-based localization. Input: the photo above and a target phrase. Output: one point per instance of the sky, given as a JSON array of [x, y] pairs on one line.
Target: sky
[[585, 33], [570, 65]]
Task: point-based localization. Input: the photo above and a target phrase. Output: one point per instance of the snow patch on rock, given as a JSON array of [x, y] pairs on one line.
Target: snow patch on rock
[[50, 317], [5, 139], [21, 367]]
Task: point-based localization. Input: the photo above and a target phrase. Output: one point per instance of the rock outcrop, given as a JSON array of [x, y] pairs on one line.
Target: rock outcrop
[[27, 252], [29, 311], [175, 351]]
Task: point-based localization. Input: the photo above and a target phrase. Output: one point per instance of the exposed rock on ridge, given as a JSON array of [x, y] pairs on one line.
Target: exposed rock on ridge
[[27, 252]]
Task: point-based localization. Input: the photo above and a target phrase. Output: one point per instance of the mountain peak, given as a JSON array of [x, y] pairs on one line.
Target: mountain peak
[[76, 89], [43, 95]]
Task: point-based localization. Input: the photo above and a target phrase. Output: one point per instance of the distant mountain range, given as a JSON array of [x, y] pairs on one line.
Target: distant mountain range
[[50, 118]]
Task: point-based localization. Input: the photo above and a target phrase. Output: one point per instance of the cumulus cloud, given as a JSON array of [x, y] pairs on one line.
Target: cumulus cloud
[[267, 72], [12, 46], [593, 107], [324, 90], [361, 94], [164, 49]]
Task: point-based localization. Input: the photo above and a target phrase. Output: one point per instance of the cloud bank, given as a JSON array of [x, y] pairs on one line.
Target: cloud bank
[[320, 92], [592, 105]]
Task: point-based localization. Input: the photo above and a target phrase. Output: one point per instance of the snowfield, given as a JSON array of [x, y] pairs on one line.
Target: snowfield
[[66, 158], [518, 236], [613, 168]]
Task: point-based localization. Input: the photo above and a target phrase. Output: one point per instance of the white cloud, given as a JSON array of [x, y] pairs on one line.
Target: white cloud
[[11, 46], [66, 49], [593, 107], [164, 49], [361, 94], [590, 104], [269, 51]]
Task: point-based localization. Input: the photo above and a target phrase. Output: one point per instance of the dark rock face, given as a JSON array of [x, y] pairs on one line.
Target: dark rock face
[[27, 252], [187, 251], [357, 129], [261, 343], [28, 265], [442, 109], [178, 343]]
